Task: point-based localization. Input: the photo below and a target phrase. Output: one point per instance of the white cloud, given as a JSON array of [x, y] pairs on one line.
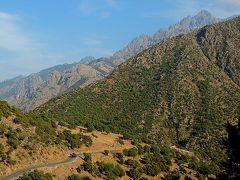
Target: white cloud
[[97, 8], [20, 51], [13, 39]]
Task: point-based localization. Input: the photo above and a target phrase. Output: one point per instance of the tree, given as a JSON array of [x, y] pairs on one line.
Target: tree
[[121, 141]]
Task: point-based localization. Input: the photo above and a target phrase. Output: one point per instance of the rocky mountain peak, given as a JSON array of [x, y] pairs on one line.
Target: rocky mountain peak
[[204, 13], [87, 60], [186, 25], [135, 46]]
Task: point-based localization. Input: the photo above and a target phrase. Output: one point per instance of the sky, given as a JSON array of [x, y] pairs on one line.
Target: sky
[[36, 34]]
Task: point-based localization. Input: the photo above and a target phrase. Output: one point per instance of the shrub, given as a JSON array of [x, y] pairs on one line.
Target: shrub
[[132, 163], [110, 171], [121, 141], [36, 175], [2, 129], [135, 173], [1, 147], [133, 152], [106, 152], [120, 158], [12, 139], [152, 170], [74, 177], [3, 156]]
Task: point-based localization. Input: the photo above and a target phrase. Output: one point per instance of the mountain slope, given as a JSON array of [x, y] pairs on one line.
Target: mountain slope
[[175, 93]]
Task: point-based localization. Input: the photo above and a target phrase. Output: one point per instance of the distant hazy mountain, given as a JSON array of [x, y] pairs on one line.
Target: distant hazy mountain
[[35, 89]]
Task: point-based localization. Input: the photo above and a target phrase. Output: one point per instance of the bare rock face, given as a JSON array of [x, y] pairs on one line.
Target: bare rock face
[[54, 78], [36, 89], [80, 71]]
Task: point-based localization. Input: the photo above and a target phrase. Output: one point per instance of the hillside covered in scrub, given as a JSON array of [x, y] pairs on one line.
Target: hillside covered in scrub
[[101, 155], [26, 139], [181, 91]]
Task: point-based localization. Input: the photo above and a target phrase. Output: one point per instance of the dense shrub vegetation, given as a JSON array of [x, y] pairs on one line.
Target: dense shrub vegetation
[[36, 175], [101, 169], [150, 161], [41, 129], [73, 140], [44, 126]]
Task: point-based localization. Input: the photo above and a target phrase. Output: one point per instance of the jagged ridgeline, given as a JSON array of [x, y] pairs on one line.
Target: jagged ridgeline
[[181, 91]]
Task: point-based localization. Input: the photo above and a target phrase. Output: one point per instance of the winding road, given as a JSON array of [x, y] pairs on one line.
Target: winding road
[[70, 159], [22, 171]]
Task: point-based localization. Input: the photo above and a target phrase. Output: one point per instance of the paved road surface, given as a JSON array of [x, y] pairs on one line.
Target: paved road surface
[[22, 171], [70, 159]]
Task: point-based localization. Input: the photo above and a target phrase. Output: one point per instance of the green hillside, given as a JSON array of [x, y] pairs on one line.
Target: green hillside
[[44, 126], [181, 92]]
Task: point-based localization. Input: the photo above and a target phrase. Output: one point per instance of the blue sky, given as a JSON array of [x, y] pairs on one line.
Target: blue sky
[[41, 33]]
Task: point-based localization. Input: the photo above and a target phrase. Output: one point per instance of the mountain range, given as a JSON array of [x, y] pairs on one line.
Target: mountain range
[[182, 91], [29, 92], [175, 104]]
